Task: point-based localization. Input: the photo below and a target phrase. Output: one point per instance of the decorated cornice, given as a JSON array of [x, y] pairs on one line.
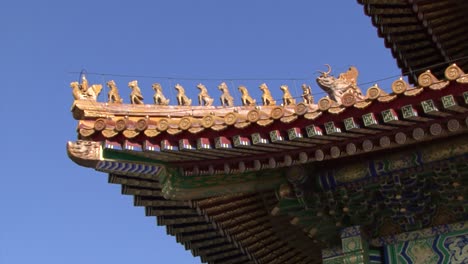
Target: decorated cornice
[[208, 140], [387, 194], [174, 184]]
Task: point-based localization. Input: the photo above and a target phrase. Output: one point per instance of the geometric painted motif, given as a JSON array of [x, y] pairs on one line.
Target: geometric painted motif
[[445, 248], [127, 168]]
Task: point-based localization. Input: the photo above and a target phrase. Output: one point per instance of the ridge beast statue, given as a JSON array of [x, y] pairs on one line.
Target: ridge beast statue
[[113, 94], [135, 96], [246, 99], [307, 94], [182, 99], [267, 99], [203, 97], [337, 87], [288, 99], [158, 97], [226, 98], [85, 92]]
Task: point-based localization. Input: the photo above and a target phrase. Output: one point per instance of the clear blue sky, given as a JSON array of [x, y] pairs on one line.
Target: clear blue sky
[[52, 210]]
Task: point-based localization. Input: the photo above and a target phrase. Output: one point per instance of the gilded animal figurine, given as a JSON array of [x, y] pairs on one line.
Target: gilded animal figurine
[[203, 97], [307, 94], [226, 98], [91, 92], [76, 91], [245, 97], [267, 99], [182, 99], [336, 87], [288, 99], [84, 86], [85, 92], [158, 97], [113, 95], [135, 96]]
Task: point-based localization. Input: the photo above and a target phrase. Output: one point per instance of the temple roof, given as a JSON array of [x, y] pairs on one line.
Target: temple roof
[[272, 182], [422, 34], [261, 184], [214, 142], [227, 229]]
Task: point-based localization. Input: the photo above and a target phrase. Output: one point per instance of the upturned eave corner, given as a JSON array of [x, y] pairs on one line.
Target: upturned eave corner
[[84, 153], [77, 112]]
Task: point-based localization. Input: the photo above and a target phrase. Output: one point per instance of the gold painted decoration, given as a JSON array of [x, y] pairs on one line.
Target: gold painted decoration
[[319, 155], [208, 121], [86, 132], [100, 124], [336, 110], [439, 85], [288, 119], [131, 133], [242, 124], [414, 92], [230, 119], [435, 129], [277, 112], [141, 124], [195, 130], [400, 138], [362, 105], [351, 148], [185, 123], [367, 145], [387, 98], [253, 116], [453, 72], [426, 79], [218, 127], [313, 115], [335, 152], [300, 109], [384, 141], [418, 133], [348, 99], [453, 125], [163, 124], [173, 131], [120, 125], [87, 124], [151, 132], [463, 79], [324, 103], [399, 86], [108, 133], [373, 92], [303, 157], [265, 122]]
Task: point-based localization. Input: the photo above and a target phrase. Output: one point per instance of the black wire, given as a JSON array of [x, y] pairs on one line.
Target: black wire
[[258, 79]]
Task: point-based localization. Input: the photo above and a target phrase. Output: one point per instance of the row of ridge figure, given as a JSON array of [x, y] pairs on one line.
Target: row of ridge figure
[[335, 88]]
